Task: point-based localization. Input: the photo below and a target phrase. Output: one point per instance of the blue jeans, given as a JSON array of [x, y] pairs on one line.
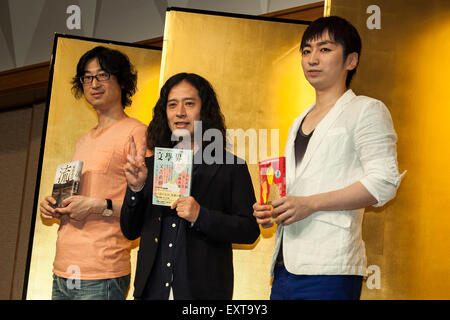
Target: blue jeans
[[288, 286], [103, 289]]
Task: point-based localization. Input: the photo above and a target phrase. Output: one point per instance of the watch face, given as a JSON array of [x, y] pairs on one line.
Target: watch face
[[107, 213]]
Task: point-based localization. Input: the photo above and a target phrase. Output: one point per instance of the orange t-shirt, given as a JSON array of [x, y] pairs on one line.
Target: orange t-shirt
[[95, 247]]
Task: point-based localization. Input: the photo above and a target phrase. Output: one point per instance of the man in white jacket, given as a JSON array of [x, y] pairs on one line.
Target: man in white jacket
[[340, 158]]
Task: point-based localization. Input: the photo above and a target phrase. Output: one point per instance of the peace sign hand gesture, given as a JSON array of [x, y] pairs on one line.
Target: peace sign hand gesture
[[135, 169]]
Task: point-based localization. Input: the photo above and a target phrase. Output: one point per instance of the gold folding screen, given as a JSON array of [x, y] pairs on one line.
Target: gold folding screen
[[254, 66], [405, 62], [68, 119]]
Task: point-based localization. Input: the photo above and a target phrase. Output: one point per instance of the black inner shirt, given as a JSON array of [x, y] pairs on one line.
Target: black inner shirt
[[301, 142]]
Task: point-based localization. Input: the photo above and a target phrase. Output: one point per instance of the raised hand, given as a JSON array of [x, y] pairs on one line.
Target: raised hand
[[135, 169]]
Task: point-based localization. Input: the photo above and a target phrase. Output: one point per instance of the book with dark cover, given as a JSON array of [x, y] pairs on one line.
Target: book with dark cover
[[67, 181]]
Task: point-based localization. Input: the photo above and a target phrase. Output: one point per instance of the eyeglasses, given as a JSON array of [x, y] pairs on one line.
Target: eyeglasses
[[103, 76]]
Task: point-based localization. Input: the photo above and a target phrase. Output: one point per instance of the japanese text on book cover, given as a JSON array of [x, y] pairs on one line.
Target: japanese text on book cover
[[172, 175], [67, 181]]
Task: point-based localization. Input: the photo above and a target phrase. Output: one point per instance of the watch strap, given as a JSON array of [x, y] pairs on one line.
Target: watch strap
[[109, 204], [108, 211]]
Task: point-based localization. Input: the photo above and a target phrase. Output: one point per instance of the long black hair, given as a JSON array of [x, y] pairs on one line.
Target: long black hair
[[158, 132], [114, 62]]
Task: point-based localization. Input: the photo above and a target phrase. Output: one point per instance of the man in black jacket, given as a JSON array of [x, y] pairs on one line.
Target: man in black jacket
[[186, 250]]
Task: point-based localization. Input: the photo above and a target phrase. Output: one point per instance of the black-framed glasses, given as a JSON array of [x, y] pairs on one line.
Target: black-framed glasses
[[102, 76]]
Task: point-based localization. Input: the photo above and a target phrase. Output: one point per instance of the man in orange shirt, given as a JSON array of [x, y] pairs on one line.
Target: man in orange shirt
[[90, 241]]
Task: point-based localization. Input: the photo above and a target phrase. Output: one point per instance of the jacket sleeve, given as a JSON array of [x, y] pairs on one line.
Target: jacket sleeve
[[238, 225], [375, 141]]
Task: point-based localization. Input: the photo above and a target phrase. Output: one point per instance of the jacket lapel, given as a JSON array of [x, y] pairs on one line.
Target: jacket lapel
[[202, 179], [321, 131]]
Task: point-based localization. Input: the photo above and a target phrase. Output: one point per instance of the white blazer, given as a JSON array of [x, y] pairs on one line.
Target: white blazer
[[355, 141]]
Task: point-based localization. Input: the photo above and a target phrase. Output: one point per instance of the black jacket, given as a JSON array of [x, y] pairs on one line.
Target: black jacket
[[226, 191]]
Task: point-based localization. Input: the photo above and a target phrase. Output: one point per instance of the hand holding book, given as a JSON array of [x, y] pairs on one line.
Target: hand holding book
[[78, 207], [263, 214], [47, 208], [187, 208], [65, 185], [272, 178]]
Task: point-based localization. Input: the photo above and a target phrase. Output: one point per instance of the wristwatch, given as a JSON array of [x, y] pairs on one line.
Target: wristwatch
[[108, 211]]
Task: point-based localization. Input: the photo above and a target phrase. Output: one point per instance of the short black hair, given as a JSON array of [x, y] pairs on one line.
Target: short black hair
[[340, 31], [114, 62], [158, 132]]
